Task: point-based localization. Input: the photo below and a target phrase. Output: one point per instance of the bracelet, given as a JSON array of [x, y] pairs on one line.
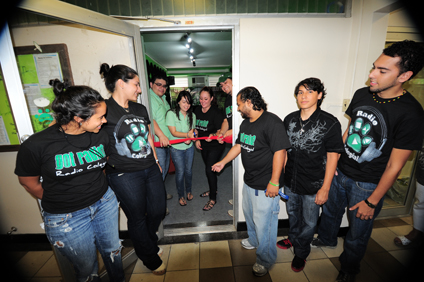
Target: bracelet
[[369, 204], [187, 134], [157, 161], [276, 185]]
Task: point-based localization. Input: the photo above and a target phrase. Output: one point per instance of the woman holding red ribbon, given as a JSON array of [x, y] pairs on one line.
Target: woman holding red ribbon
[[208, 122], [181, 122]]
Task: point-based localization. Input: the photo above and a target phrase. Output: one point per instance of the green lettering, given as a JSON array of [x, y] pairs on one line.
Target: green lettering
[[248, 139], [80, 156], [59, 161]]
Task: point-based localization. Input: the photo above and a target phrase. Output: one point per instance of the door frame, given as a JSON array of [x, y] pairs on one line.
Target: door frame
[[235, 32]]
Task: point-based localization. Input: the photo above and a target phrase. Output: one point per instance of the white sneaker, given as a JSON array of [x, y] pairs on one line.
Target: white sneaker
[[230, 201], [231, 213], [259, 270], [245, 244]]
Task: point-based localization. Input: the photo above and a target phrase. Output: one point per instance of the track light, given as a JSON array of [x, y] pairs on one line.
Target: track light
[[191, 50], [189, 39], [187, 46]]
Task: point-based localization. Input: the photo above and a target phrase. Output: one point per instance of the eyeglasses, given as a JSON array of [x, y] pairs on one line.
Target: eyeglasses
[[161, 85]]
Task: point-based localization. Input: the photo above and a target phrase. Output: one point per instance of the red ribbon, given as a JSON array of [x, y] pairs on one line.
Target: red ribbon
[[228, 139]]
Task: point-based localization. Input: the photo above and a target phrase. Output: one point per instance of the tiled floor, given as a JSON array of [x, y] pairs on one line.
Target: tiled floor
[[227, 261]]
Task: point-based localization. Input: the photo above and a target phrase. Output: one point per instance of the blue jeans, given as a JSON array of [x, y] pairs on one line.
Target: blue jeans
[[183, 161], [163, 157], [303, 217], [142, 197], [77, 234], [261, 214], [345, 192]]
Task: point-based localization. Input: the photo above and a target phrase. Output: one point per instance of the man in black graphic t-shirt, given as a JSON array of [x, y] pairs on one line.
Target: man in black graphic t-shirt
[[262, 142], [386, 125], [316, 143]]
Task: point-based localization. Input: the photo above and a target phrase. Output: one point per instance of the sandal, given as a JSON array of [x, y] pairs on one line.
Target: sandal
[[209, 205], [182, 202], [402, 241], [189, 196], [160, 270], [206, 194]]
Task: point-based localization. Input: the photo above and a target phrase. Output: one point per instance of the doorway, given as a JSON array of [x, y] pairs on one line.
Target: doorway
[[213, 57]]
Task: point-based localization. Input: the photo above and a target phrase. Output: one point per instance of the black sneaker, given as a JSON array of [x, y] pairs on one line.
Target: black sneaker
[[284, 244], [345, 277], [297, 264], [316, 243]]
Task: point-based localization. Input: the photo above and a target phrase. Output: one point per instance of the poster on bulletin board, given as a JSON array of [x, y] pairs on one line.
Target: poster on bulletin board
[[36, 70]]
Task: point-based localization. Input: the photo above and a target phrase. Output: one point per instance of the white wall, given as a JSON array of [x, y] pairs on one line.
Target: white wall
[[87, 49]]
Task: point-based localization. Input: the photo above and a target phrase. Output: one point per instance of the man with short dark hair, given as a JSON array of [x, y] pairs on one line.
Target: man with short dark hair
[[316, 143], [262, 142], [386, 125], [159, 107], [226, 82]]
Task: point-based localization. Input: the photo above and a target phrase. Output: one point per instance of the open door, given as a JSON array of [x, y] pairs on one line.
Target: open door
[[87, 39]]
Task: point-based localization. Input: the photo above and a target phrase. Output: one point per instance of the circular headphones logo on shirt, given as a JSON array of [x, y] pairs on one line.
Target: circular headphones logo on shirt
[[134, 143], [366, 124]]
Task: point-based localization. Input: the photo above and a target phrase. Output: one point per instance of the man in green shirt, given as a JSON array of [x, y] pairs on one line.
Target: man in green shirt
[[159, 107]]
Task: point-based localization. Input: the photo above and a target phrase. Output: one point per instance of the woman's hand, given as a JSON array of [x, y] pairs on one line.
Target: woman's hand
[[209, 138], [198, 145], [190, 134]]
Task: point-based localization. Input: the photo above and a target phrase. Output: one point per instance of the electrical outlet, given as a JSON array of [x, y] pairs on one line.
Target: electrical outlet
[[345, 104]]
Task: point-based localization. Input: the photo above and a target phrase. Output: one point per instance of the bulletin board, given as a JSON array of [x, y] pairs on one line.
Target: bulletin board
[[37, 65], [36, 70]]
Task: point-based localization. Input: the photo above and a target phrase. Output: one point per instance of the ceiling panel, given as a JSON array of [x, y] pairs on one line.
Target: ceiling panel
[[211, 49]]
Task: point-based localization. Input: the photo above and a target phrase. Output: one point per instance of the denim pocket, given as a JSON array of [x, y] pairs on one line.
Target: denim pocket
[[56, 220], [109, 195], [366, 186]]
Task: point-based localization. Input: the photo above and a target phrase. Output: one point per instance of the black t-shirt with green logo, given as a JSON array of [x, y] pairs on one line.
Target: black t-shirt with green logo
[[376, 127], [209, 123], [259, 140], [128, 132], [71, 167]]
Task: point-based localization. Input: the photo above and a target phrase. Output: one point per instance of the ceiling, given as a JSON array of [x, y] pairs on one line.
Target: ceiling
[[212, 49]]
